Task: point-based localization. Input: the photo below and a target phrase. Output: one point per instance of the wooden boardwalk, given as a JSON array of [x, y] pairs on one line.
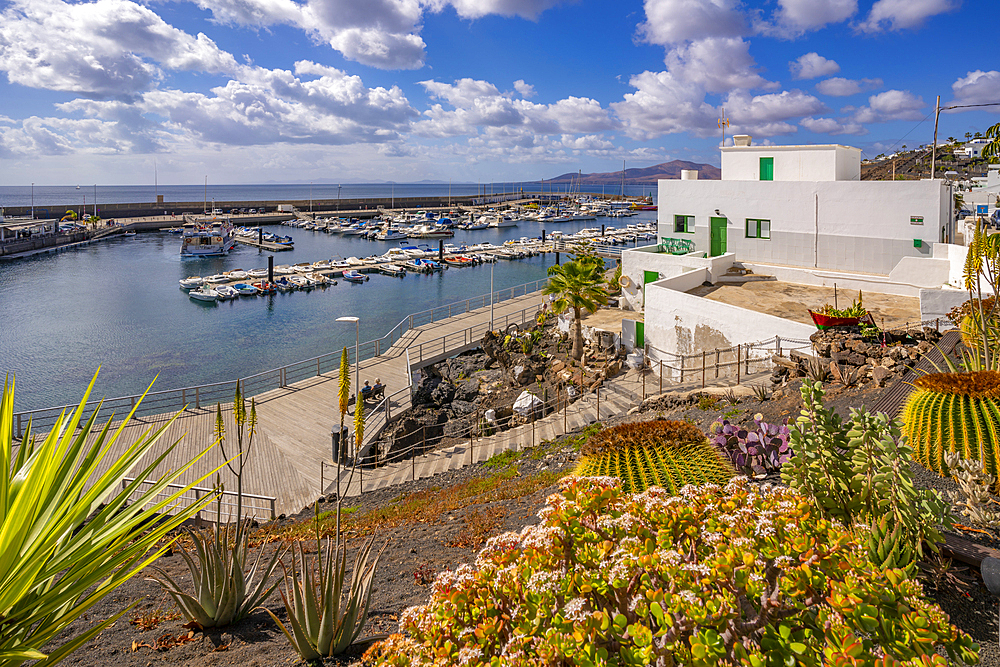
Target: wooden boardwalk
[[292, 445]]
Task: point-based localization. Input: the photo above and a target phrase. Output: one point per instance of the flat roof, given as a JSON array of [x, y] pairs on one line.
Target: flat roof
[[796, 147]]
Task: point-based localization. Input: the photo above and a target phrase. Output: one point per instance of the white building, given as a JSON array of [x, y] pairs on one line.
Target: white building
[[973, 148], [800, 214]]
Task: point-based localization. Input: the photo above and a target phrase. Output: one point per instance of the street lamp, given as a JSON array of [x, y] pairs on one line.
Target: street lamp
[[357, 362], [491, 293]]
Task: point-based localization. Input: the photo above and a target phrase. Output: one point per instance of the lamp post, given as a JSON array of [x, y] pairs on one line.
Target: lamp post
[[357, 361], [310, 197], [491, 293], [338, 196]]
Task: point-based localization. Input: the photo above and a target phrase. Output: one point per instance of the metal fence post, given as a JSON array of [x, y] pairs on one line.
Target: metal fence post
[[703, 369], [413, 464], [598, 414], [565, 406], [717, 363], [197, 398], [472, 457], [738, 348], [777, 344]]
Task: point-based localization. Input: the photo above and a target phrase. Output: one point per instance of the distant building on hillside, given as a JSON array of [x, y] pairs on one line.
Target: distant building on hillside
[[972, 149]]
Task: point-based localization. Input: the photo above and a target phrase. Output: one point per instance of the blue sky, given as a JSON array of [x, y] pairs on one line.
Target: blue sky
[[248, 91]]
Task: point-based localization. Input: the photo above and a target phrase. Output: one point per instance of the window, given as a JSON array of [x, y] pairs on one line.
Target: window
[[758, 229], [684, 224], [767, 169]]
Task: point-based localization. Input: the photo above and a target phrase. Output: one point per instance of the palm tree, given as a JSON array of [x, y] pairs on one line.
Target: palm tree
[[991, 151], [580, 286]]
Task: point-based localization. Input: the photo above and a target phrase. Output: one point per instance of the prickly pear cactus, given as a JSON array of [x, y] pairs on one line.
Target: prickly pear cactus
[[669, 454], [955, 412]]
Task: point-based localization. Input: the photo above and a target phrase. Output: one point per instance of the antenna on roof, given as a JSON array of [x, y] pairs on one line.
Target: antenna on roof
[[723, 124]]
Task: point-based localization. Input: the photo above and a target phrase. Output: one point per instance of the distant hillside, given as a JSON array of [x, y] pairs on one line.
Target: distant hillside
[[643, 174]]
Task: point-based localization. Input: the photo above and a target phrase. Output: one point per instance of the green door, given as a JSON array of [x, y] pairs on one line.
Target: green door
[[640, 335], [648, 277], [718, 227], [767, 169]]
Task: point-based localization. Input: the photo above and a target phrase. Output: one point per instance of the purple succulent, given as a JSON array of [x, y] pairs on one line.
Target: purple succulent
[[755, 450]]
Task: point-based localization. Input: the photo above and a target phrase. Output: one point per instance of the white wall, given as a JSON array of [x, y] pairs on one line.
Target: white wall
[[925, 274], [937, 303], [859, 226], [793, 163], [636, 261], [680, 323]]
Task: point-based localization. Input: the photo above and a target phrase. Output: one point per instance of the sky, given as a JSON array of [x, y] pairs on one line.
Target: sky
[[255, 91]]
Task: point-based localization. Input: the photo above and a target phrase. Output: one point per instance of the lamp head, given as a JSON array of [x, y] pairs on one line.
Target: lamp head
[[347, 319]]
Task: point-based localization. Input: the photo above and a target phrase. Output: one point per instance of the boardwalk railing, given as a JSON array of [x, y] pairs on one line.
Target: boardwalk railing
[[254, 506], [197, 397]]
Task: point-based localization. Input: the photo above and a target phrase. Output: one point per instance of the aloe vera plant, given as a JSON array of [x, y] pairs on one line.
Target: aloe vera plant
[[69, 533], [325, 618]]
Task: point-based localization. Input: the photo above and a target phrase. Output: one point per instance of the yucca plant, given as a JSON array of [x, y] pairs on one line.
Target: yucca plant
[[325, 618], [669, 454], [69, 533], [955, 412]]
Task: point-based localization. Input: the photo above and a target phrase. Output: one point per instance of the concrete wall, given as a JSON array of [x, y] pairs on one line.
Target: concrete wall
[[859, 226], [636, 261], [679, 323], [931, 276], [937, 303], [793, 163]]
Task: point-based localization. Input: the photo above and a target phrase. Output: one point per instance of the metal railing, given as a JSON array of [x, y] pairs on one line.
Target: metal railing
[[254, 506], [740, 360], [199, 396]]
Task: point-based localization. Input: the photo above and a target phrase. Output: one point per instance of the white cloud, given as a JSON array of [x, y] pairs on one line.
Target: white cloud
[[118, 55], [473, 9], [716, 64], [831, 126], [841, 87], [905, 14], [802, 15], [811, 66], [526, 90], [768, 115], [670, 22], [978, 87], [663, 105], [891, 105], [253, 12]]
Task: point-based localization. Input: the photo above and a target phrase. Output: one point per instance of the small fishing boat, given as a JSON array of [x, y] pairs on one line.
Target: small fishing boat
[[283, 284], [226, 292], [237, 274], [217, 279], [459, 261], [191, 282], [245, 289], [257, 273], [321, 264], [265, 287], [354, 277], [392, 270], [300, 282], [204, 294]]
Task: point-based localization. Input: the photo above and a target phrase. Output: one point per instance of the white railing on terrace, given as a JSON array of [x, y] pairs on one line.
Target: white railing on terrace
[[172, 400]]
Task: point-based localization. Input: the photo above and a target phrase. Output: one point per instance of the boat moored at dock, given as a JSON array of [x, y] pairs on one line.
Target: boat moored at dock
[[207, 238]]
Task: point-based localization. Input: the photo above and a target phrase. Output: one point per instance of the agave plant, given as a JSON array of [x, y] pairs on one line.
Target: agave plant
[[223, 592], [670, 454], [69, 533], [324, 621]]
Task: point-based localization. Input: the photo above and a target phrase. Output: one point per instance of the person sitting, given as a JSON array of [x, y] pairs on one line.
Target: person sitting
[[378, 391], [366, 391]]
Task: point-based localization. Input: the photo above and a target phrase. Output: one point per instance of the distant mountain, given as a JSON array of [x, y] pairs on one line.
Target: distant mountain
[[642, 174]]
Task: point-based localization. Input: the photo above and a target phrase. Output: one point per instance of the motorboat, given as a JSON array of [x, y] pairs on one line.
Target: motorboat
[[226, 292], [265, 287], [257, 273], [459, 261], [217, 279], [237, 274], [390, 234], [354, 261], [283, 284], [392, 270], [316, 279], [321, 264], [245, 289], [430, 232], [191, 282], [207, 238], [354, 276], [204, 294], [283, 270], [300, 282]]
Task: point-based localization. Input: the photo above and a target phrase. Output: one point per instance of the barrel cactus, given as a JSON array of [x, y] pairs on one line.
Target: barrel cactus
[[955, 412], [669, 454]]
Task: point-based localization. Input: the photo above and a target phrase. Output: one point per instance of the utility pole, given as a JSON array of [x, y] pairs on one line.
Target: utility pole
[[723, 124], [937, 114]]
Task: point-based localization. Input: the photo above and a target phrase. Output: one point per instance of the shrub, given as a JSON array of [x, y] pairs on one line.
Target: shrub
[[755, 450], [858, 472], [732, 575], [955, 412], [70, 534], [663, 453]]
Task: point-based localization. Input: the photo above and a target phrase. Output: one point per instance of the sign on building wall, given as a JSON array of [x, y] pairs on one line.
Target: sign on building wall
[[916, 219]]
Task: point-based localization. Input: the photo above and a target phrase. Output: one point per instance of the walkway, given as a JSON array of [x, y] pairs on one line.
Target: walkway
[[292, 445]]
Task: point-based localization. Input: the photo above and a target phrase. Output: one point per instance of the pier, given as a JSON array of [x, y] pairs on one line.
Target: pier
[[297, 405]]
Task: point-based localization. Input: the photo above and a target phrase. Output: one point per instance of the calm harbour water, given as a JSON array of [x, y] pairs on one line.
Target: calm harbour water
[[116, 304]]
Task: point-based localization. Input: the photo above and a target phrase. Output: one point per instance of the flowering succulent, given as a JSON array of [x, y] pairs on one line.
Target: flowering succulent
[[755, 450], [731, 574]]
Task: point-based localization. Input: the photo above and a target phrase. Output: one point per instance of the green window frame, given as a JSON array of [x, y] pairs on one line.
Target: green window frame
[[758, 229], [684, 224], [767, 169]]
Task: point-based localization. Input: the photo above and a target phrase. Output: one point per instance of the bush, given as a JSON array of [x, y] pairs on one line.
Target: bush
[[858, 473], [720, 575], [662, 453], [755, 450]]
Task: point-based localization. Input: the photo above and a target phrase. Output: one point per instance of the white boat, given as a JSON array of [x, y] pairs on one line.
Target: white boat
[[390, 234], [237, 274], [226, 292], [321, 264], [283, 270], [245, 289], [501, 222], [257, 273], [217, 279], [354, 261], [430, 232], [207, 238], [191, 282], [392, 270], [204, 294], [300, 282]]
